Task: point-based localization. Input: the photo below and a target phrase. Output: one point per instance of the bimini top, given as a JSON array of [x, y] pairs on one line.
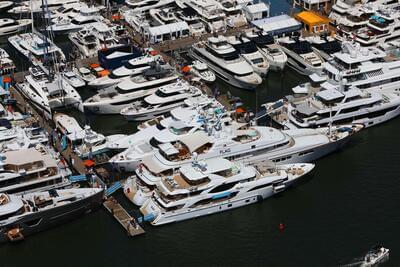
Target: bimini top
[[153, 165], [196, 140], [200, 170]]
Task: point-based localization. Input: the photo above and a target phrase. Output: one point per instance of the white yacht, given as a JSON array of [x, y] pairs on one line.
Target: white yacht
[[235, 17], [222, 58], [85, 74], [190, 16], [201, 70], [35, 6], [7, 66], [381, 28], [145, 5], [164, 15], [249, 51], [30, 170], [282, 147], [105, 36], [11, 26], [323, 45], [17, 132], [35, 47], [69, 126], [87, 17], [30, 213], [114, 99], [210, 13], [301, 56], [161, 101], [266, 44], [5, 5], [173, 146], [49, 91], [180, 121], [85, 41], [25, 138], [217, 185], [69, 10], [375, 256], [73, 79], [332, 106], [132, 68], [94, 143]]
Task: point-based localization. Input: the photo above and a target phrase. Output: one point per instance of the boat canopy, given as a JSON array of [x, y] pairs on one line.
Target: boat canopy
[[195, 141]]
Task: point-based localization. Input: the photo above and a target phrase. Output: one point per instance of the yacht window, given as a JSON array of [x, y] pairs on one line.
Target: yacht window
[[162, 94]]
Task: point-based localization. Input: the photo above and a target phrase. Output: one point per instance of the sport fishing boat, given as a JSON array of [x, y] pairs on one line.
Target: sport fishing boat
[[11, 26], [201, 70], [266, 44], [226, 62], [32, 169], [113, 100], [217, 185], [94, 143], [237, 141], [163, 100], [34, 212]]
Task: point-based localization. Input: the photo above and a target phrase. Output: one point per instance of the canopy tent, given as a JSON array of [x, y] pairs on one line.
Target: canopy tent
[[195, 141]]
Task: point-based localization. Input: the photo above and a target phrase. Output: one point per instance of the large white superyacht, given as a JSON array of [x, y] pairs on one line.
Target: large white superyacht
[[217, 185], [222, 58], [161, 101], [113, 100], [239, 142]]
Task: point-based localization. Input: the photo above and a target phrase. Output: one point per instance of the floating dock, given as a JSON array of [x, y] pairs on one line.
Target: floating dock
[[129, 223]]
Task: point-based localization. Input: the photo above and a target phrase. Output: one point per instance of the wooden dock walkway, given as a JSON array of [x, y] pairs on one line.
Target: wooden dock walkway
[[129, 223]]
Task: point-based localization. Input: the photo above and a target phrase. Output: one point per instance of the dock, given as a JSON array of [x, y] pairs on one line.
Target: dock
[[129, 223]]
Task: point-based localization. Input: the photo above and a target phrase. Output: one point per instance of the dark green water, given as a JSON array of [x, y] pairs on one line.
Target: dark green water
[[350, 202]]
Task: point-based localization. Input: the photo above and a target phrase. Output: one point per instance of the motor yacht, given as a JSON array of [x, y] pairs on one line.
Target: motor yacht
[[113, 100], [217, 185], [235, 17], [201, 70], [32, 169], [5, 5], [332, 106], [85, 74], [105, 36], [189, 15], [30, 213], [87, 17], [73, 79], [145, 5], [25, 138], [225, 140], [209, 12], [301, 56], [132, 68], [35, 6], [49, 91], [266, 44], [7, 66], [375, 256], [222, 58], [36, 47], [163, 16], [11, 26], [324, 46], [282, 147], [69, 10], [160, 102], [85, 41], [180, 121], [249, 52]]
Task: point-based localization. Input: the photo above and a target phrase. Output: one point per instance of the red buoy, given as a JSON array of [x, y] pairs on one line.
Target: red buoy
[[128, 190], [281, 227]]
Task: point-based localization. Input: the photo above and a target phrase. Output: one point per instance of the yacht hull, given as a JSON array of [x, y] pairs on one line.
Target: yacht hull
[[40, 221]]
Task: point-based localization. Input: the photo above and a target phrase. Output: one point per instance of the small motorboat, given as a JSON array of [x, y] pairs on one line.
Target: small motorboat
[[375, 255]]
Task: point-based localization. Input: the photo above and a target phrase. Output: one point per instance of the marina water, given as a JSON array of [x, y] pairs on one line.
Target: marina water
[[350, 202]]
